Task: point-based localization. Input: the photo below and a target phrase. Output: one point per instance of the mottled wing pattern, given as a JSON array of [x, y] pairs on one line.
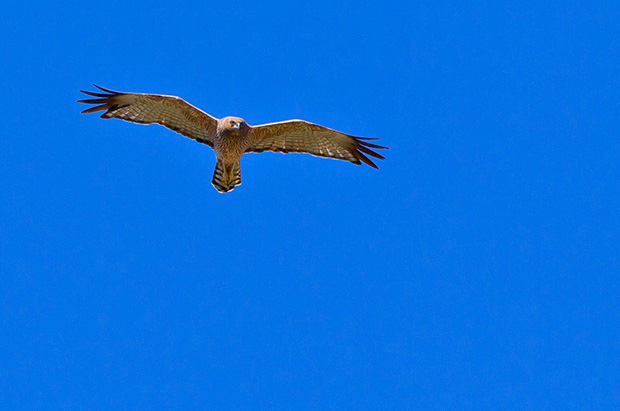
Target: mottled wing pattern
[[299, 136], [169, 111]]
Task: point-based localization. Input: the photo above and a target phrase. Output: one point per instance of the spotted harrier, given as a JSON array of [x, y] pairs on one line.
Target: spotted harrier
[[231, 137]]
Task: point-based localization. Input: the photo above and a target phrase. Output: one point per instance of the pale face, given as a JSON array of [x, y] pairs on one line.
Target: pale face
[[233, 125]]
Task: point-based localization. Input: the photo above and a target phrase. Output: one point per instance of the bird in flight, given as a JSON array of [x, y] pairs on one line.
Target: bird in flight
[[231, 137]]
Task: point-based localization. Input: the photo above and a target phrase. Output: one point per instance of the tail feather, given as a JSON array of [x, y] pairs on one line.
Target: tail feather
[[226, 176]]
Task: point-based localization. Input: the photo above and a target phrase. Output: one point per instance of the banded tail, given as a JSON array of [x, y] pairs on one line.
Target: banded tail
[[226, 176]]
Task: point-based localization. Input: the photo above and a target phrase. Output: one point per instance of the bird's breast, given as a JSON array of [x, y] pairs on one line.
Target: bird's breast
[[230, 146]]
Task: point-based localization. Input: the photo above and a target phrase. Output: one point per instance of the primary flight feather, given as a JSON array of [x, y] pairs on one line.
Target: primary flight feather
[[231, 137]]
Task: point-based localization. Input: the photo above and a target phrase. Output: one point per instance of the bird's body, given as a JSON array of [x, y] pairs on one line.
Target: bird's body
[[231, 137], [230, 143]]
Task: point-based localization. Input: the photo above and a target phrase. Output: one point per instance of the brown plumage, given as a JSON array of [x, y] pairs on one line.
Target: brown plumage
[[231, 137]]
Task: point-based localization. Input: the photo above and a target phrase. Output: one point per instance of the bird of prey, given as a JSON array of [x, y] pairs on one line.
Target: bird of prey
[[231, 137]]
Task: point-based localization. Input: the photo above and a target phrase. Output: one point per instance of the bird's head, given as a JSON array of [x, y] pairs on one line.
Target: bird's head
[[233, 125]]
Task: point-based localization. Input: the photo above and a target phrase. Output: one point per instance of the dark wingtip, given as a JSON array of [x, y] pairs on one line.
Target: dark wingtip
[[367, 144], [94, 94], [106, 90], [93, 100], [366, 160], [370, 152], [95, 109]]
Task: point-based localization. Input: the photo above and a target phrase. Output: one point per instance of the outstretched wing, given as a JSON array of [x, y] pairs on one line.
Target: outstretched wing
[[169, 111], [299, 136]]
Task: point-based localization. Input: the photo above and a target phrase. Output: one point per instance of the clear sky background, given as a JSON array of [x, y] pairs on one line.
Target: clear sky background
[[478, 268]]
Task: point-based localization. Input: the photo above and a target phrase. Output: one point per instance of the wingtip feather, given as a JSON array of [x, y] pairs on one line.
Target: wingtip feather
[[368, 138], [106, 90], [370, 153], [93, 101], [366, 144], [366, 160], [95, 109], [94, 94]]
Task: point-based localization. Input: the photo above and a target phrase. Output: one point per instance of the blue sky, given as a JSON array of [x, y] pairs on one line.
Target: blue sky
[[476, 269]]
